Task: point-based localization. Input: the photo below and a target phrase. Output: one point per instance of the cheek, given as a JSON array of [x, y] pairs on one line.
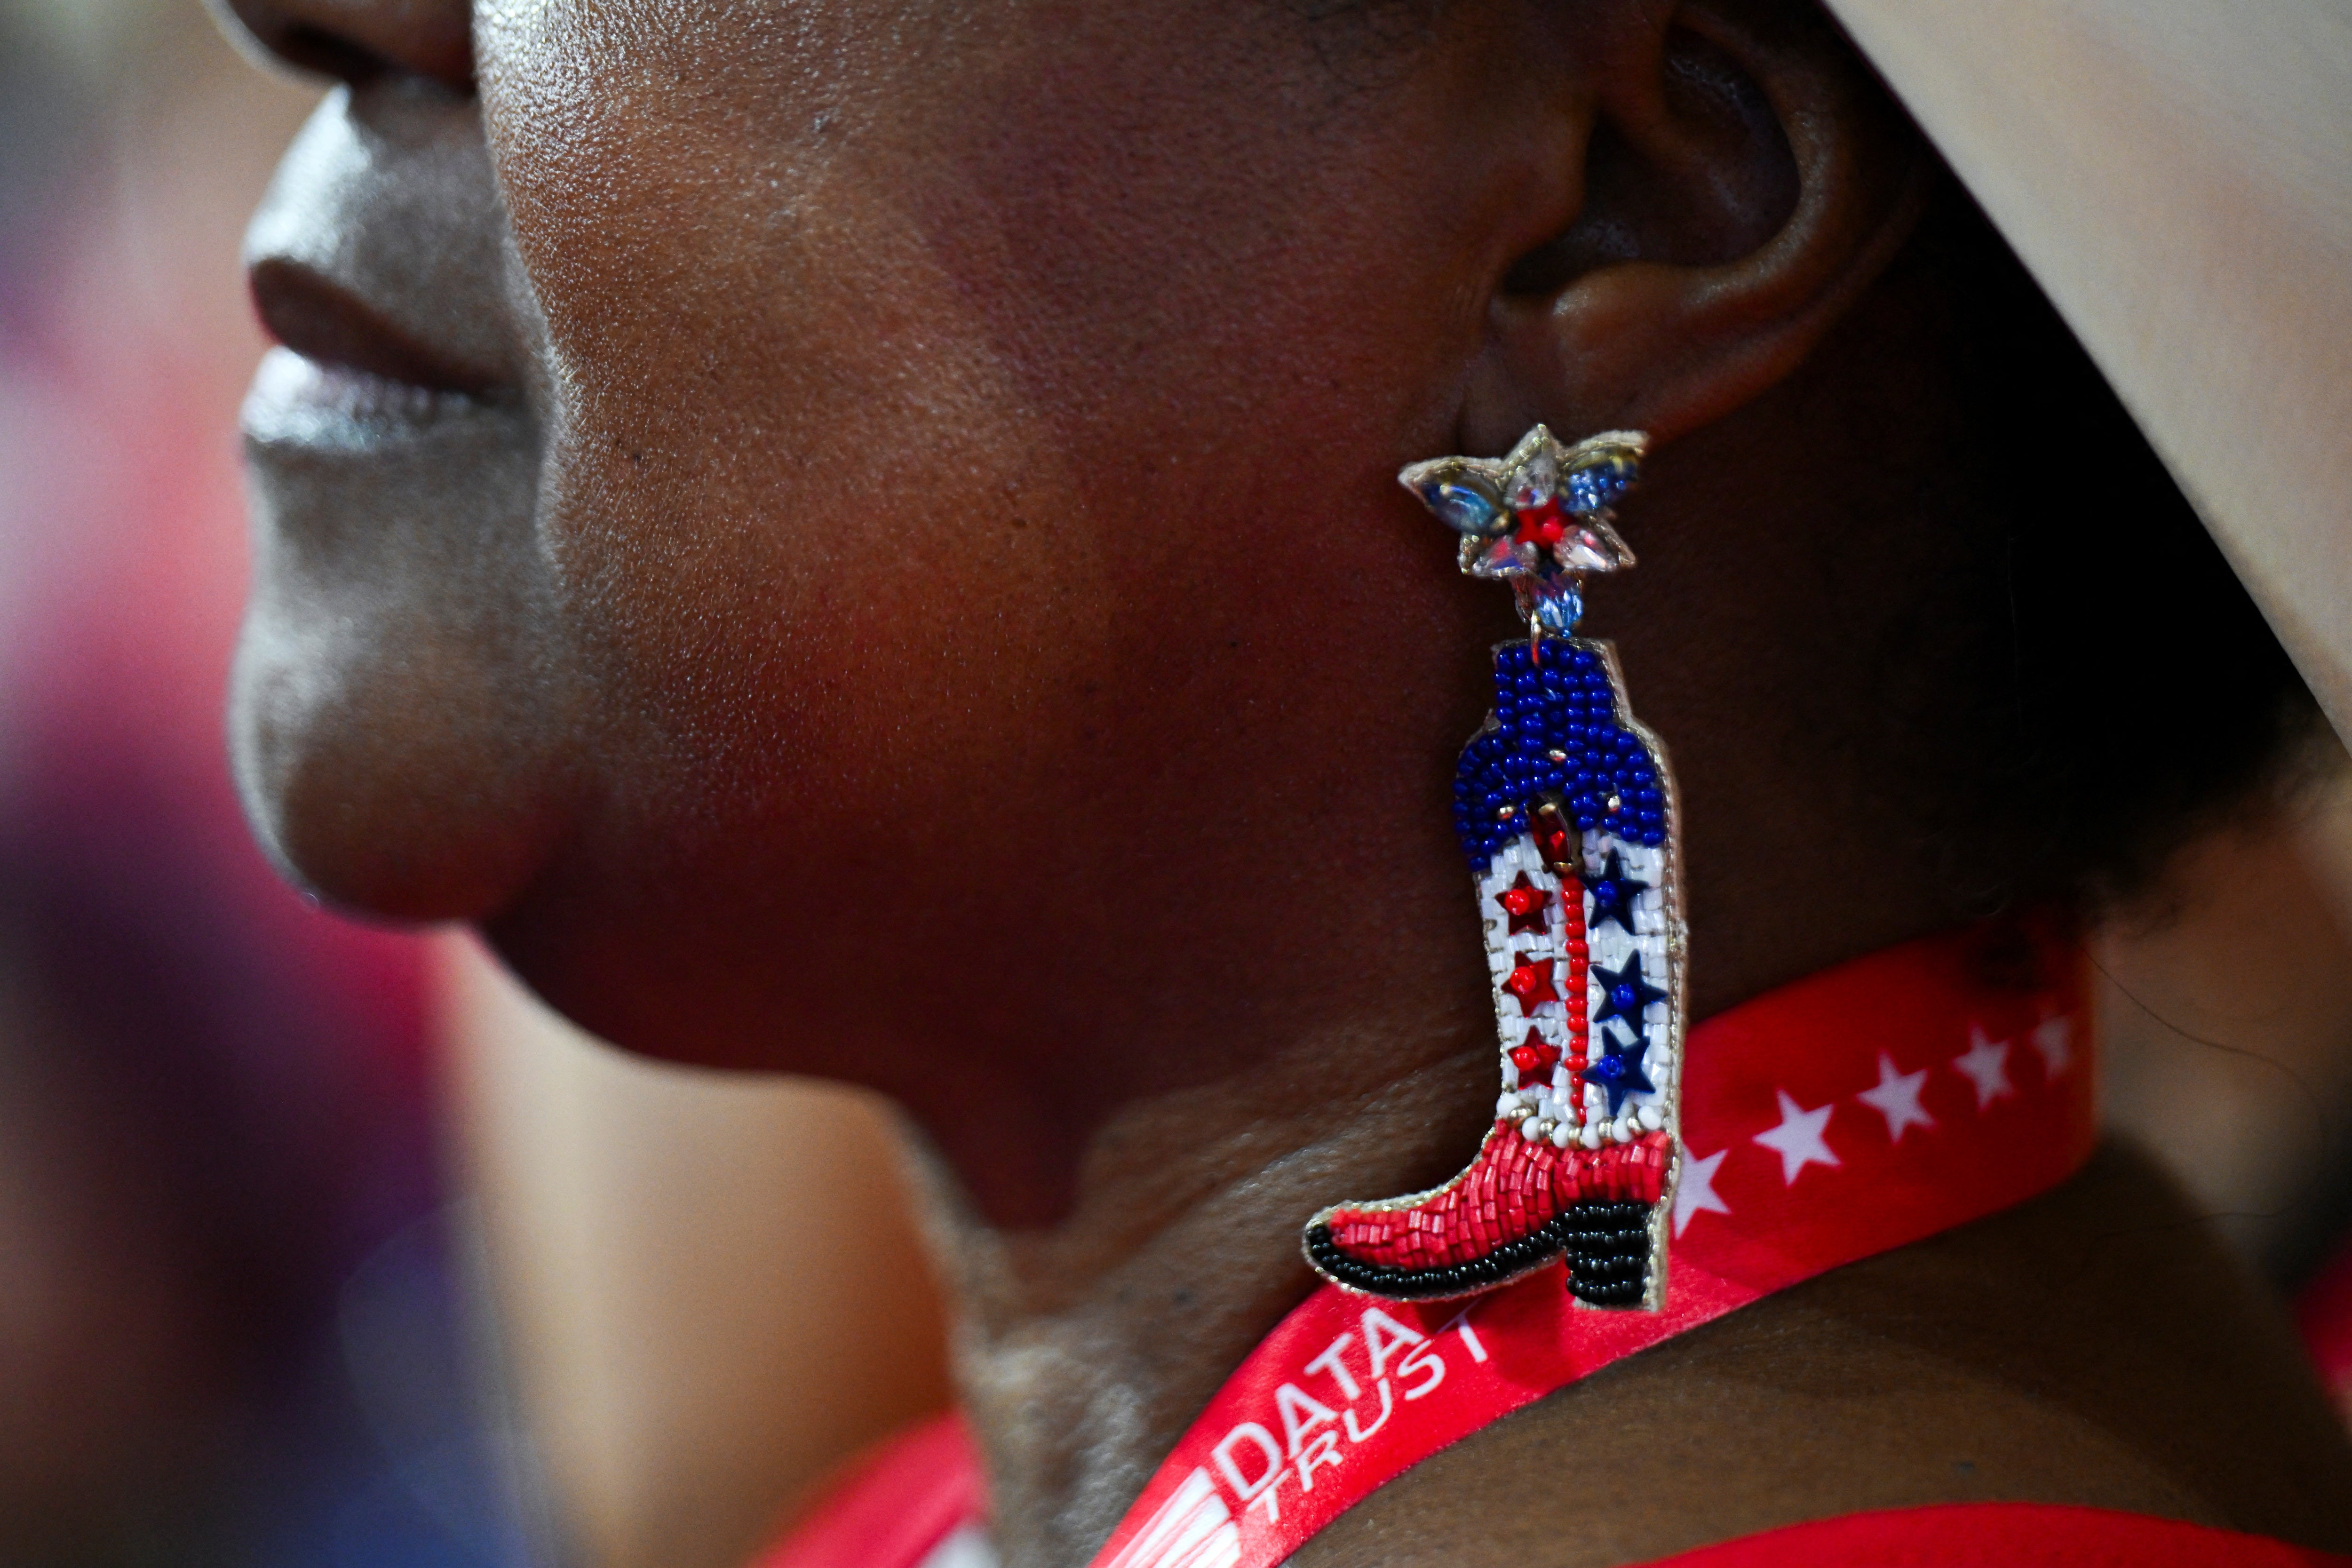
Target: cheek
[[774, 461], [983, 436]]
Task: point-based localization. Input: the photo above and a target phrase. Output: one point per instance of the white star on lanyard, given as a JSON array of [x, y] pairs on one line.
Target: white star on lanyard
[[1797, 1140], [1896, 1098], [1985, 1064], [1694, 1190], [2054, 1038]]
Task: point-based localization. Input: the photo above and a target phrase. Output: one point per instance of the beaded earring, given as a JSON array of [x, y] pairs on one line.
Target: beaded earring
[[1567, 812]]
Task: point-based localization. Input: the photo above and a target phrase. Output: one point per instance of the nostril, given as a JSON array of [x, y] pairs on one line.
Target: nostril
[[309, 49], [360, 41]]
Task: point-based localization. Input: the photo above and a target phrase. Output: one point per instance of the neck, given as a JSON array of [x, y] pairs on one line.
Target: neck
[[1085, 1350]]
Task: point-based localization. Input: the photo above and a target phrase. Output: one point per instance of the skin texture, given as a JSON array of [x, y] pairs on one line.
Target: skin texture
[[861, 539]]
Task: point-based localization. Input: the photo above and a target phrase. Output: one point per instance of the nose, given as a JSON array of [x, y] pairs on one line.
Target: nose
[[360, 41]]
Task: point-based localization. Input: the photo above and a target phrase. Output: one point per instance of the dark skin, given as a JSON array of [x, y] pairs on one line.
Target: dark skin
[[898, 576]]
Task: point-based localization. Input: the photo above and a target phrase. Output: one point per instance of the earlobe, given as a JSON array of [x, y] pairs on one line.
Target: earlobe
[[1745, 180]]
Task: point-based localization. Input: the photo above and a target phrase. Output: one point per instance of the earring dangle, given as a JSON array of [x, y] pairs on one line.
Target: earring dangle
[[1567, 812]]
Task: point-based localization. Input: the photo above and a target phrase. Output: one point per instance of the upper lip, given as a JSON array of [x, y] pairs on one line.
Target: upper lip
[[322, 319], [378, 247]]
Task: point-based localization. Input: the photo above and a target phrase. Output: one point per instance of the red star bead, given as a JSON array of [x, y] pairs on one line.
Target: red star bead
[[1525, 903], [1535, 1060], [1531, 981]]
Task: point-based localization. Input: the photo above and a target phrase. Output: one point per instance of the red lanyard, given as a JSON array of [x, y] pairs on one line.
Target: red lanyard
[[1850, 1113]]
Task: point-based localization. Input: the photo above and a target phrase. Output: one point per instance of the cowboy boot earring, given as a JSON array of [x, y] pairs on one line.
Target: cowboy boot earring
[[1566, 814]]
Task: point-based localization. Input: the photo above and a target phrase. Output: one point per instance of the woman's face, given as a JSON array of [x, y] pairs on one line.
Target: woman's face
[[860, 537], [851, 507]]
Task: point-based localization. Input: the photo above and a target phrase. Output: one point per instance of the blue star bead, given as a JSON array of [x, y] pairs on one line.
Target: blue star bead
[[1624, 995], [1613, 893], [1621, 1072]]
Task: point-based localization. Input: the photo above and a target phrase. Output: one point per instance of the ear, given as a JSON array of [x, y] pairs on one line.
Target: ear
[[1744, 177]]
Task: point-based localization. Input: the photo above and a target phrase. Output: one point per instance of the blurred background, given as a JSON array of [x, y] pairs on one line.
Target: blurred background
[[322, 1244], [303, 1223]]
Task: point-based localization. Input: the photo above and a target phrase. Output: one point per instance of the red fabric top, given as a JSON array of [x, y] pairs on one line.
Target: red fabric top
[[2323, 1313], [895, 1505], [901, 1502]]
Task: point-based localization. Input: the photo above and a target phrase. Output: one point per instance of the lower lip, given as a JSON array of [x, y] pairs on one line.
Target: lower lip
[[299, 402]]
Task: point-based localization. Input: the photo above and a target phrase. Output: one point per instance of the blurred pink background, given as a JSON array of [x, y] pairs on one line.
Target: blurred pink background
[[227, 1324]]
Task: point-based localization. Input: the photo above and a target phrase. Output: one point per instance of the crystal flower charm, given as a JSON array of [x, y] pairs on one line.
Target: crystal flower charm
[[1538, 512]]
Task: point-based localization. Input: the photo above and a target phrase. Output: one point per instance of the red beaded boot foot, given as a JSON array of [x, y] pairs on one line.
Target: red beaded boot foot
[[1521, 1204]]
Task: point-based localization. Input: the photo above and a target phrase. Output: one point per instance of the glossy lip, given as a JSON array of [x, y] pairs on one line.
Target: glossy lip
[[344, 376], [296, 401]]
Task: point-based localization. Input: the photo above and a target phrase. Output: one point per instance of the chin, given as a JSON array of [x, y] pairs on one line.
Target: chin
[[650, 991], [396, 732], [376, 791]]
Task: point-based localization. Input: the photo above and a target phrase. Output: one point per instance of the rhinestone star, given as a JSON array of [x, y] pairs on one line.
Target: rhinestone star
[[1541, 510]]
